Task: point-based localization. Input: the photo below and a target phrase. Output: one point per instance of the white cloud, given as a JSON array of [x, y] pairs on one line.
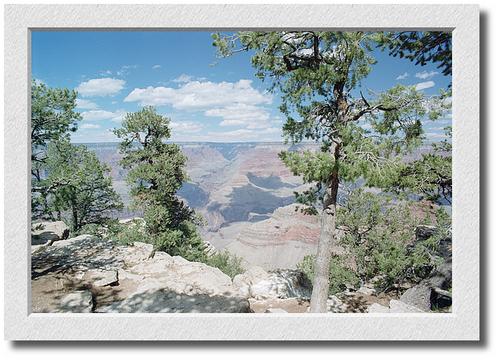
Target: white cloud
[[402, 76], [184, 78], [196, 95], [424, 85], [186, 126], [97, 115], [251, 116], [237, 104], [100, 87], [86, 104], [90, 126], [426, 75], [157, 66]]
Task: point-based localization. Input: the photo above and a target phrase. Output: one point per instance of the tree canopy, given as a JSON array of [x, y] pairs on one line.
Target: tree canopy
[[80, 184]]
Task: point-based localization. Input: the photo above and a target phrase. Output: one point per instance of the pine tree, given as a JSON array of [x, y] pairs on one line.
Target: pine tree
[[52, 118], [80, 185], [155, 174], [318, 75]]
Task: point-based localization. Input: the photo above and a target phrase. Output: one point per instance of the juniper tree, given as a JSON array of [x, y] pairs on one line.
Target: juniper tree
[[52, 119], [361, 134], [155, 174], [80, 185]]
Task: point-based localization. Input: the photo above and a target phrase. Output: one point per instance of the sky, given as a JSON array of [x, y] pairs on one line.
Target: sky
[[206, 98]]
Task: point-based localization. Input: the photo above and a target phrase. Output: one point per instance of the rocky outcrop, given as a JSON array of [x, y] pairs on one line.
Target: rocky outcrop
[[259, 284], [432, 292], [165, 300], [126, 279], [46, 232]]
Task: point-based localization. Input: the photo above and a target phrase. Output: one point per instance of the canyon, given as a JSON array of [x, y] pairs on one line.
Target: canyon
[[246, 196]]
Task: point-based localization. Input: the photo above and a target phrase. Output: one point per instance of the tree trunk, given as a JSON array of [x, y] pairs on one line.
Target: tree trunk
[[320, 292], [76, 226]]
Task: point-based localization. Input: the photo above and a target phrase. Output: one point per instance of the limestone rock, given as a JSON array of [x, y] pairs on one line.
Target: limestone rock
[[77, 302], [167, 301], [46, 232], [141, 282], [418, 296], [102, 277]]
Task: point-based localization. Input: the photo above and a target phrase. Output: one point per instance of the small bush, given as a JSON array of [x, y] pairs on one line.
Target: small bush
[[228, 263], [340, 276], [127, 234], [379, 235], [90, 229]]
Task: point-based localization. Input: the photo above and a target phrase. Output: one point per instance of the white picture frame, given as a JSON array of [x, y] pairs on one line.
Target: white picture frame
[[464, 321]]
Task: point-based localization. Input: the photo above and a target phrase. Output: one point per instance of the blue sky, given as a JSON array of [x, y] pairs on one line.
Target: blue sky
[[208, 99]]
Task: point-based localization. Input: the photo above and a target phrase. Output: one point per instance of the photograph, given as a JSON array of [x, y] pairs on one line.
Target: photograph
[[246, 171]]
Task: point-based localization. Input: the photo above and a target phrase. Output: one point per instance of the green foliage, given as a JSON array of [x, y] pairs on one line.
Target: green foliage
[[379, 235], [156, 173], [127, 234], [228, 263], [79, 185], [340, 276], [89, 229], [52, 119], [420, 47], [430, 176]]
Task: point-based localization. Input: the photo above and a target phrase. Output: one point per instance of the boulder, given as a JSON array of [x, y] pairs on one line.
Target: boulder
[[101, 277], [77, 302], [418, 296], [441, 277], [168, 301], [259, 284], [46, 232], [76, 242]]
